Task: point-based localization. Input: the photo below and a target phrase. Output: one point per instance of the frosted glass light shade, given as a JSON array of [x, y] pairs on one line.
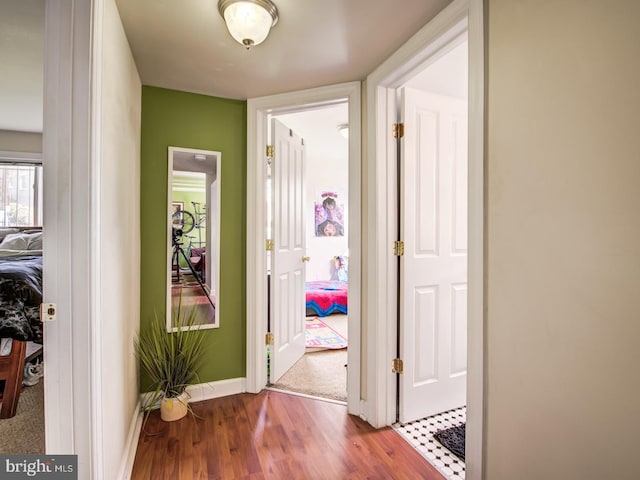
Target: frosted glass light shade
[[248, 21]]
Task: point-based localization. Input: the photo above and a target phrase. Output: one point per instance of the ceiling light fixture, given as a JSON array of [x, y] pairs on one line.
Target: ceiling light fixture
[[248, 21], [343, 129]]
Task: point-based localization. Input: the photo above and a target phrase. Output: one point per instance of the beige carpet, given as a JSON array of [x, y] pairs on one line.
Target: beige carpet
[[339, 323], [320, 374], [24, 433]]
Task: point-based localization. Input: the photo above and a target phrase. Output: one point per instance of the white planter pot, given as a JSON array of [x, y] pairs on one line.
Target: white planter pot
[[174, 408]]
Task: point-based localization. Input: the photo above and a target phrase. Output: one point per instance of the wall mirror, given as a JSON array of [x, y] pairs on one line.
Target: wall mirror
[[193, 232]]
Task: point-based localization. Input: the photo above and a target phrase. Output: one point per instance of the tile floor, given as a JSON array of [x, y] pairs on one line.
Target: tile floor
[[419, 433]]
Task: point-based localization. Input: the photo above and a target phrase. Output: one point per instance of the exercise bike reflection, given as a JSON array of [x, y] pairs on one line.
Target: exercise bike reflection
[[179, 259]]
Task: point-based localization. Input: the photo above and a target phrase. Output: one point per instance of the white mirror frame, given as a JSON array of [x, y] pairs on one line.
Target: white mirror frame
[[213, 236]]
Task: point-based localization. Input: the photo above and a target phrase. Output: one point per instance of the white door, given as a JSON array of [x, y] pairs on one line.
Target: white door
[[288, 267], [433, 298]]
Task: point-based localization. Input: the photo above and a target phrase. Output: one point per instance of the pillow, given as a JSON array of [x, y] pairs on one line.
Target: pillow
[[35, 241], [6, 231], [22, 241]]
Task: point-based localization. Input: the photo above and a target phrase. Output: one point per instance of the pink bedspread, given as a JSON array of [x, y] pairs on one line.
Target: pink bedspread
[[325, 298]]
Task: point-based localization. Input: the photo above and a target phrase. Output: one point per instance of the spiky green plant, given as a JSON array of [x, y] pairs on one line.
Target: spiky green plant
[[171, 360]]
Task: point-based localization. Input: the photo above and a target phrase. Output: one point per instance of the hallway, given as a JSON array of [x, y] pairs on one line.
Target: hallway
[[273, 435]]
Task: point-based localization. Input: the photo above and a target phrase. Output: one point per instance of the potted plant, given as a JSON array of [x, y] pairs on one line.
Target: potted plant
[[171, 360]]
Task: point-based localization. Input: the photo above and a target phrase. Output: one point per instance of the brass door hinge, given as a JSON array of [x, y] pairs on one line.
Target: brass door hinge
[[268, 339], [269, 245], [397, 130], [398, 366], [271, 151], [398, 248]]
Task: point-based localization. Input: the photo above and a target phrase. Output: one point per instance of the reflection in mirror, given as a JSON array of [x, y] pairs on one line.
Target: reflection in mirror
[[193, 255]]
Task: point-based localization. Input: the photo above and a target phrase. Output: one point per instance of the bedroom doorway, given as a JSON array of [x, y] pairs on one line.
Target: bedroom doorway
[[259, 113], [433, 225], [22, 419], [464, 16], [320, 370]]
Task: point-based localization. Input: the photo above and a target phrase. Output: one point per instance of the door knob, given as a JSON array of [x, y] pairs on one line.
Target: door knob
[[306, 259]]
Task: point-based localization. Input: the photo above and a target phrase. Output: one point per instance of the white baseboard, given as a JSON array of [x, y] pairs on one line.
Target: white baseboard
[[129, 454], [207, 391], [221, 388]]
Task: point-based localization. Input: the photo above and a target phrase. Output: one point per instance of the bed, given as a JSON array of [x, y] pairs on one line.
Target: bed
[[326, 297], [20, 299]]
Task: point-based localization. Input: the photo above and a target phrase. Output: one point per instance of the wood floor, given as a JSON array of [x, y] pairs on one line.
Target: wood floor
[[274, 435]]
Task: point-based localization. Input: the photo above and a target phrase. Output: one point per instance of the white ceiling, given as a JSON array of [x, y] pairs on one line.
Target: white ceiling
[[186, 161], [184, 45], [319, 129]]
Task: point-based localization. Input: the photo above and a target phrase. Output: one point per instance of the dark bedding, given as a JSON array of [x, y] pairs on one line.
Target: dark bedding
[[20, 298]]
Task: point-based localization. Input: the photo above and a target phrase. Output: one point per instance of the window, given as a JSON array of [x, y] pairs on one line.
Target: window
[[20, 195]]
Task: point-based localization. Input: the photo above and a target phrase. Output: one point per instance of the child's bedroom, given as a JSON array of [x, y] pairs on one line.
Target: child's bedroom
[[322, 370]]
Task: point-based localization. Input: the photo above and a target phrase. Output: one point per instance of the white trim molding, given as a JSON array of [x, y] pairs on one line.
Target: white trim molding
[[220, 388], [71, 423], [206, 391], [258, 111], [129, 454], [423, 48], [214, 206], [96, 331], [474, 456]]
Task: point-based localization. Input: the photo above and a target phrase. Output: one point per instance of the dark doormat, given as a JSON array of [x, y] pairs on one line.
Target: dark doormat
[[453, 439]]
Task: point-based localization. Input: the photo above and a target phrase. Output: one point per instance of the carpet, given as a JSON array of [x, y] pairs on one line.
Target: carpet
[[319, 374], [24, 433], [318, 335], [452, 438]]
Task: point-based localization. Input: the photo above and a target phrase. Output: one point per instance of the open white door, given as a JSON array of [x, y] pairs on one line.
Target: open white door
[[433, 294], [288, 266]]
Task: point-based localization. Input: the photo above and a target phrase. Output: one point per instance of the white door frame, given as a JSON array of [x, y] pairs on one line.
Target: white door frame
[[258, 110], [75, 417], [412, 57], [70, 219]]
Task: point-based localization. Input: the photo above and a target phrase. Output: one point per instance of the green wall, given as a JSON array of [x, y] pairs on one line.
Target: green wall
[[180, 119]]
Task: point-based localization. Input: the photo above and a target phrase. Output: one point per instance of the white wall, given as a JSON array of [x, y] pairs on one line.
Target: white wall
[[327, 169], [119, 243], [563, 240], [22, 68], [324, 174], [448, 75]]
